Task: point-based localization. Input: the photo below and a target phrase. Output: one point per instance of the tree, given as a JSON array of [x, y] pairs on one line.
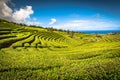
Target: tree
[[72, 34], [68, 32]]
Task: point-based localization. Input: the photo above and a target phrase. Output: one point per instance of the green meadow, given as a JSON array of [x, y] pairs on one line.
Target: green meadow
[[36, 53]]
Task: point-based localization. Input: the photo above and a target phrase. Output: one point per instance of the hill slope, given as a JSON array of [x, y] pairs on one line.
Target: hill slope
[[34, 53]]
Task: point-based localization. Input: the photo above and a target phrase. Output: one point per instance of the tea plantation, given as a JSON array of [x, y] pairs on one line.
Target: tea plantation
[[35, 53]]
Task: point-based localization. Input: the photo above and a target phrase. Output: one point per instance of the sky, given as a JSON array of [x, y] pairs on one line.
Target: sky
[[64, 14]]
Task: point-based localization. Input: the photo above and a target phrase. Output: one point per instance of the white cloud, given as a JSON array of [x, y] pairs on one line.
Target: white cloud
[[53, 20], [18, 16], [22, 14], [5, 11], [86, 25]]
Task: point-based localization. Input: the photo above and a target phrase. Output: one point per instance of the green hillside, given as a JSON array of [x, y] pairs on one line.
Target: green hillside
[[36, 53]]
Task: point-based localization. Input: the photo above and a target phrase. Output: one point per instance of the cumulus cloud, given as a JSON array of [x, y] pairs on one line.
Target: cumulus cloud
[[5, 11], [53, 20], [86, 25], [22, 14], [18, 16]]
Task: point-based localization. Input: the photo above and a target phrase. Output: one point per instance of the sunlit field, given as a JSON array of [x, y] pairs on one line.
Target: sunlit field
[[30, 53]]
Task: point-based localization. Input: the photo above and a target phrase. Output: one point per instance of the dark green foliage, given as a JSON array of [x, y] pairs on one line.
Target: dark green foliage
[[8, 42], [6, 36]]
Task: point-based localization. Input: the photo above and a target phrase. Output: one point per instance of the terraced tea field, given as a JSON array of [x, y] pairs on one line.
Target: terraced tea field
[[31, 53]]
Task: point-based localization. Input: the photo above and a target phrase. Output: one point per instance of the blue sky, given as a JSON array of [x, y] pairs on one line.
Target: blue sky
[[65, 14]]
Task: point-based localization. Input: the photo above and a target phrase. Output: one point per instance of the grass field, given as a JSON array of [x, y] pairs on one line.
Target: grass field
[[31, 53]]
